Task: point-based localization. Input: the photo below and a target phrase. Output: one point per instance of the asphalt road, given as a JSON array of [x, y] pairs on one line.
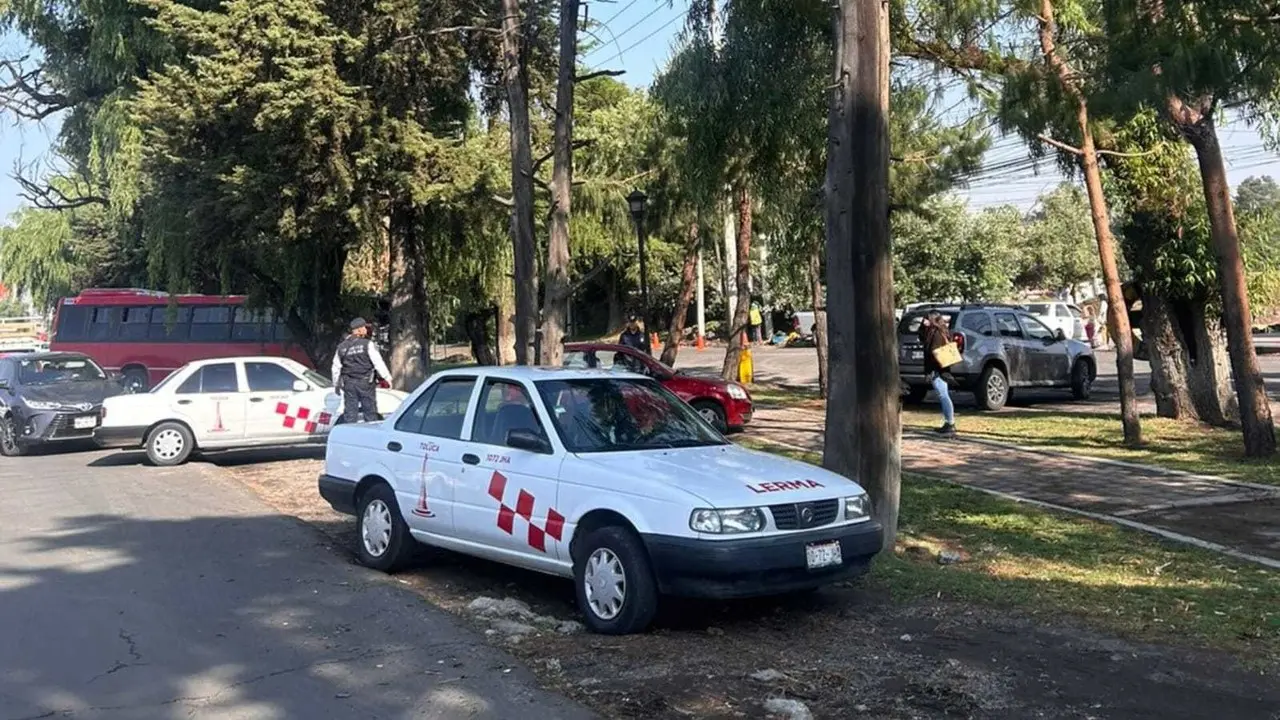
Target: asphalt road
[[138, 592]]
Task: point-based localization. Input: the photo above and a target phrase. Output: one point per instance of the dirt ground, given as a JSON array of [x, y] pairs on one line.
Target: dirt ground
[[844, 652]]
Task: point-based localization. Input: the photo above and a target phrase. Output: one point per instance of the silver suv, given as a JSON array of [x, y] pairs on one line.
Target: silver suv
[[1003, 347]]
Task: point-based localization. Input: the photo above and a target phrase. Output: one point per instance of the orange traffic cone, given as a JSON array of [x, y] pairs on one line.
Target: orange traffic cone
[[701, 343]]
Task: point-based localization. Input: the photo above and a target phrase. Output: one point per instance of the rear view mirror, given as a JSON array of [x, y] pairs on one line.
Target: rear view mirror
[[525, 439], [300, 386], [1060, 335]]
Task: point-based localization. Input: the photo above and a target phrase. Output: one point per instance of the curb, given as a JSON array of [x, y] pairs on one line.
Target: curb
[[1154, 469], [1112, 519]]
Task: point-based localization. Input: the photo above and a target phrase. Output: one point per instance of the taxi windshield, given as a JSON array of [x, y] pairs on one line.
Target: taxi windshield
[[48, 371], [597, 415]]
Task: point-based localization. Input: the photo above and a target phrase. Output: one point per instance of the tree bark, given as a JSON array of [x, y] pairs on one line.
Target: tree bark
[[1117, 320], [1196, 124], [515, 79], [1170, 364], [506, 330], [819, 317], [406, 365], [863, 431], [555, 312], [686, 296], [742, 313]]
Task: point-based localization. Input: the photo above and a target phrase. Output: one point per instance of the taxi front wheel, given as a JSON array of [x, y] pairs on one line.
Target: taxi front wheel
[[616, 590], [383, 541]]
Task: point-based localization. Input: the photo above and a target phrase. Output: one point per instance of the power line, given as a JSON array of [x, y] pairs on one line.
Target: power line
[[633, 26], [605, 23], [642, 40]]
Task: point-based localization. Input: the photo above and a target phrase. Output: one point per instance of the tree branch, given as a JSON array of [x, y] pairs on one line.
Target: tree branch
[[591, 275], [598, 73], [47, 197], [577, 145], [28, 94], [1059, 144]]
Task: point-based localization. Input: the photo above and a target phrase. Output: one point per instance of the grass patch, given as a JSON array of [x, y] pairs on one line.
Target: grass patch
[[766, 395], [1050, 564], [1190, 447]]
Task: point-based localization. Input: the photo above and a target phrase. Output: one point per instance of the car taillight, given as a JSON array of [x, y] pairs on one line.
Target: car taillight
[[959, 341]]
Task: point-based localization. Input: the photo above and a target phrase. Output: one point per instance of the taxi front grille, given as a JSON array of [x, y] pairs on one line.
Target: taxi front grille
[[802, 516]]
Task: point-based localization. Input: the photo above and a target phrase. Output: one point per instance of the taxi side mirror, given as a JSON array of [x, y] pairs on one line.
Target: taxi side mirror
[[531, 440], [300, 386]]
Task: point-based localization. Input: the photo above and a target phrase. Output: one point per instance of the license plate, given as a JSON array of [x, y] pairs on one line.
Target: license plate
[[822, 554], [82, 423]]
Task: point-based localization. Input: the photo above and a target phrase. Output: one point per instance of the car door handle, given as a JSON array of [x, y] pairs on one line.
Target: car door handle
[[471, 459], [256, 399], [393, 446], [184, 402]]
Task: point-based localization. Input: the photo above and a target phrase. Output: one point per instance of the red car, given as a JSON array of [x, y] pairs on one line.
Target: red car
[[726, 405]]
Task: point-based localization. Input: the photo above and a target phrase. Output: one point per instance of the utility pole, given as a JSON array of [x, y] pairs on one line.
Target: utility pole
[[702, 300]]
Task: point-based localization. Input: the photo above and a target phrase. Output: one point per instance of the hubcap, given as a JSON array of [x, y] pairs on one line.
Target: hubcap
[[710, 416], [168, 444], [375, 528], [606, 584], [995, 389]]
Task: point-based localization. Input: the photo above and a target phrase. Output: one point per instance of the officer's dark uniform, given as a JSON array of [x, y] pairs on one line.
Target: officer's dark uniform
[[356, 371]]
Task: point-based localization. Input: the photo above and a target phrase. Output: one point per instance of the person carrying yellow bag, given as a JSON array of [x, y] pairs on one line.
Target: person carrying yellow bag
[[940, 354]]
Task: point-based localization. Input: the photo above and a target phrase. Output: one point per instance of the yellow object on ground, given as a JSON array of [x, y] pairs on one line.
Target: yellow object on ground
[[746, 368]]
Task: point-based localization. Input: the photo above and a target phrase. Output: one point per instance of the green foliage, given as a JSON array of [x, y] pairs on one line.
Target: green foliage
[[1060, 251], [12, 307], [944, 252], [1258, 219]]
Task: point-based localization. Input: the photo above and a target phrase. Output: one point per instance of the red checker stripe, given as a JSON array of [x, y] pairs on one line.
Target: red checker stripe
[[537, 538], [524, 505], [282, 408], [497, 486], [555, 524], [304, 413], [506, 519]]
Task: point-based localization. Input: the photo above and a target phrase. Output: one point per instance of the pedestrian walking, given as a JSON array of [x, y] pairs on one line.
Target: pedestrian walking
[[633, 336], [356, 365], [757, 323], [940, 353]]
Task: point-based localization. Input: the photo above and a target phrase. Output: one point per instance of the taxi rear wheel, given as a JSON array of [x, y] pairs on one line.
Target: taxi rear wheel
[[169, 444], [616, 590], [383, 541]]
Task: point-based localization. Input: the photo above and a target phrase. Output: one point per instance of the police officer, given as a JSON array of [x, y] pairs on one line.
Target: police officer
[[354, 365]]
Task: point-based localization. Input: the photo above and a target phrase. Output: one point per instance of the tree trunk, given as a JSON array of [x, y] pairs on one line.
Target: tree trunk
[[476, 325], [515, 79], [728, 268], [555, 309], [1117, 320], [687, 276], [863, 430], [1211, 370], [1170, 365], [506, 330], [617, 309], [742, 313], [406, 366], [417, 252], [1197, 125], [819, 317]]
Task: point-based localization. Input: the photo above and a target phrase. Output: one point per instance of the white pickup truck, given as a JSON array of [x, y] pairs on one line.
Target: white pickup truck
[[604, 478]]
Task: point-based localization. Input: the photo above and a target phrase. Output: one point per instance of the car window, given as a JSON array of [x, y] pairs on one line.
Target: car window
[[1039, 309], [1074, 312], [504, 406], [1007, 325], [910, 324], [217, 378], [617, 414], [55, 370], [268, 377], [1036, 330], [440, 411], [1062, 311], [978, 323]]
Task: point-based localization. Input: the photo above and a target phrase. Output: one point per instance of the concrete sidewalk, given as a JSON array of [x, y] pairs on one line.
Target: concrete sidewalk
[[1241, 517]]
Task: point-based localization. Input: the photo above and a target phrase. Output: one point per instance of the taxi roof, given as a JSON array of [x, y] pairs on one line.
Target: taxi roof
[[536, 373]]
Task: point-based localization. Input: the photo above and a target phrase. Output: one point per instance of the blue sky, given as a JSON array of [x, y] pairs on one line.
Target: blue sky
[[637, 38]]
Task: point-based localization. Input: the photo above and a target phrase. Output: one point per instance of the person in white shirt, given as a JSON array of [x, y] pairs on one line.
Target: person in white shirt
[[354, 366]]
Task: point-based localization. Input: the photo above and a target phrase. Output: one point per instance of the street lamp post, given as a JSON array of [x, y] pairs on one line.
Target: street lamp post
[[637, 202]]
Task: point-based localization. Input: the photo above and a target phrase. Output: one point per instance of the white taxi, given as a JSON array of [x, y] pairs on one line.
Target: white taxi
[[604, 478], [227, 403]]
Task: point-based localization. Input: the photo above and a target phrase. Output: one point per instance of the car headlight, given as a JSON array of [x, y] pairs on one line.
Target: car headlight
[[42, 405], [857, 507], [720, 522], [737, 392]]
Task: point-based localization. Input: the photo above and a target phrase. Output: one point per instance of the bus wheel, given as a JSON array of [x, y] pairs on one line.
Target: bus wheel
[[136, 380]]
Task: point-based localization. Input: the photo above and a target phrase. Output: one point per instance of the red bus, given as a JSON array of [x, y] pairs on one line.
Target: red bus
[[145, 335]]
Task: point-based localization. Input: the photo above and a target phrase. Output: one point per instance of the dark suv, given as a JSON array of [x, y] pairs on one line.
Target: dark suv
[[1003, 347], [50, 397]]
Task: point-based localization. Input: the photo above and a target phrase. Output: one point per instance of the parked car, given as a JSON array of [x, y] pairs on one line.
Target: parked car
[[1060, 316], [606, 478], [227, 403], [50, 398], [726, 405], [1003, 347]]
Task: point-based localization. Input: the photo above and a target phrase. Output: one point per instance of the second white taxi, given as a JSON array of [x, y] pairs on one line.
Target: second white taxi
[[227, 403], [605, 478]]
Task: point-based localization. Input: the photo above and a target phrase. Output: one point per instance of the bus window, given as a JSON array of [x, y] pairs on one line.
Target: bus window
[[133, 323], [170, 325], [71, 323], [211, 324], [101, 324], [251, 326]]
